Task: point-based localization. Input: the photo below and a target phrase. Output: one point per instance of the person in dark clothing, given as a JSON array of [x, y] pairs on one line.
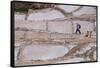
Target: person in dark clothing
[[78, 27], [26, 16]]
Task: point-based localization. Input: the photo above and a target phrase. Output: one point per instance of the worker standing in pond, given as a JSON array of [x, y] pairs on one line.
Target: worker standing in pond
[[26, 14], [78, 27]]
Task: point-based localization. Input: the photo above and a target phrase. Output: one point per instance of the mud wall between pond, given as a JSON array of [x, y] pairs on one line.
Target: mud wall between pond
[[65, 27], [46, 33], [52, 26]]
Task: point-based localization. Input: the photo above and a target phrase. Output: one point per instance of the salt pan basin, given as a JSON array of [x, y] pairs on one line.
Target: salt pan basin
[[43, 52]]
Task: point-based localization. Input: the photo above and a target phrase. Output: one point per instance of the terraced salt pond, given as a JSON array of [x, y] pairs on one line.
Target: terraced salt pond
[[49, 53], [43, 52]]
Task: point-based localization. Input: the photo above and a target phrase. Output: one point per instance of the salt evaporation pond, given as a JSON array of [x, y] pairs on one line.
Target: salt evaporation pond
[[43, 52]]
